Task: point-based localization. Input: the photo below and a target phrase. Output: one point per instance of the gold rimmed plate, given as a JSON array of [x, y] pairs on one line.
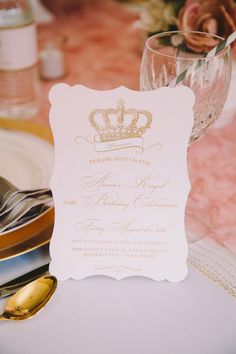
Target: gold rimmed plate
[[26, 160]]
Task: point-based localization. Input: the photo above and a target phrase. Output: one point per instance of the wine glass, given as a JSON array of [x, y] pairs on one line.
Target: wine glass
[[167, 54]]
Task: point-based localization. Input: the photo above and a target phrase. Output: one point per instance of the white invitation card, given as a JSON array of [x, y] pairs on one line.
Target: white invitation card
[[120, 182]]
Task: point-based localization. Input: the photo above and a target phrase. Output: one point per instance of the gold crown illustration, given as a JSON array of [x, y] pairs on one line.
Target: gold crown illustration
[[120, 123]]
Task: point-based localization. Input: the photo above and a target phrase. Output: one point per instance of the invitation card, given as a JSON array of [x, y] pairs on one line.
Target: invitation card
[[120, 182]]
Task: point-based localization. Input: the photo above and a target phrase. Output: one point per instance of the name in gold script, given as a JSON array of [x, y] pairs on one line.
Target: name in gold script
[[96, 182], [149, 182]]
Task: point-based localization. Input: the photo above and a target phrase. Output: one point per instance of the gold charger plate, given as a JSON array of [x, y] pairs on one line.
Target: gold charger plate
[[38, 231]]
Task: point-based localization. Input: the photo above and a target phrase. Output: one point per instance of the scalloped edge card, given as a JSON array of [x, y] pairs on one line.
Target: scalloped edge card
[[120, 182]]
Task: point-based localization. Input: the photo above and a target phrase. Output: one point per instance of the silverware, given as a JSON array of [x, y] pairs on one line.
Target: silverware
[[21, 209], [13, 286], [30, 299], [6, 188], [11, 194], [20, 195]]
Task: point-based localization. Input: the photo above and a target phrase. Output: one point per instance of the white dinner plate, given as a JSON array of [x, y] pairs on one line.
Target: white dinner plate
[[25, 159]]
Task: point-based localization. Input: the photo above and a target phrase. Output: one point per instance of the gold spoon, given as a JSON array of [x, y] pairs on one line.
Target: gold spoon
[[30, 299]]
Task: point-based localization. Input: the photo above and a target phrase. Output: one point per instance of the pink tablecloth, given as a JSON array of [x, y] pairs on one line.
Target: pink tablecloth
[[104, 51]]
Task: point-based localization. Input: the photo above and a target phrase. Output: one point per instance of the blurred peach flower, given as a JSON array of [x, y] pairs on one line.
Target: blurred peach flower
[[213, 16]]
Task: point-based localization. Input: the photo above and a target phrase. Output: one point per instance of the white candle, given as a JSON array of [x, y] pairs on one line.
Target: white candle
[[51, 63]]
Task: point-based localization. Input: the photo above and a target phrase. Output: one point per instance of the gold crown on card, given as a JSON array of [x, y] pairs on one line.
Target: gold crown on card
[[120, 123]]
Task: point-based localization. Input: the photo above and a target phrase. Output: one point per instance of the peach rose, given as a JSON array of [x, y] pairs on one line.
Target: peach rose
[[213, 16]]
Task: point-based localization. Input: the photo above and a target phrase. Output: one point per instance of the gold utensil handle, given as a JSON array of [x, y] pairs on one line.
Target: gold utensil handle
[[13, 286]]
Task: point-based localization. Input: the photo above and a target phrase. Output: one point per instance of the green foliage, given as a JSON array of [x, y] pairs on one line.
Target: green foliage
[[177, 5]]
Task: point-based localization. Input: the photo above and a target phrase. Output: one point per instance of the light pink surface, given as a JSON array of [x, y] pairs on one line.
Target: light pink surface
[[103, 52], [211, 208]]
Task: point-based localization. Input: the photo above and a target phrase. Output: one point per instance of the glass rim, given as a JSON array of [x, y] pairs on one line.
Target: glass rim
[[163, 34]]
